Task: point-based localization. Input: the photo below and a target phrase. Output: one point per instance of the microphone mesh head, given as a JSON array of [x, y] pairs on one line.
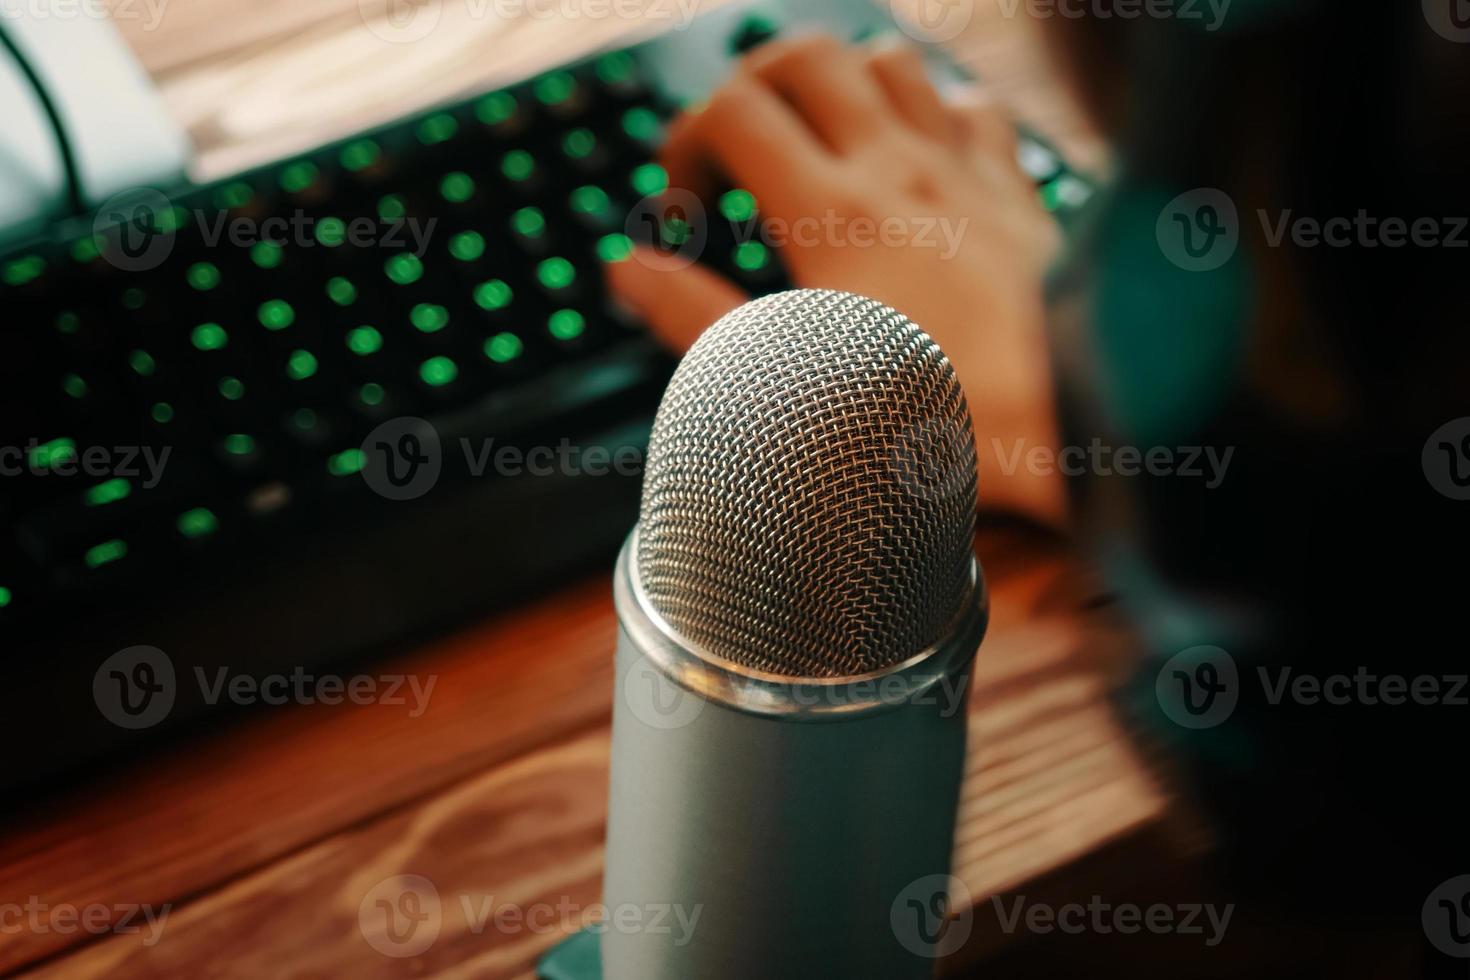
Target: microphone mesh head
[[809, 501]]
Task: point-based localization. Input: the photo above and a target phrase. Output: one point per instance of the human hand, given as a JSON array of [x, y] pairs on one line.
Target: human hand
[[874, 185]]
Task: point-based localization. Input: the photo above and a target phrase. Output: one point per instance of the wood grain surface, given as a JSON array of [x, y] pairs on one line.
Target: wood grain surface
[[255, 80], [265, 839]]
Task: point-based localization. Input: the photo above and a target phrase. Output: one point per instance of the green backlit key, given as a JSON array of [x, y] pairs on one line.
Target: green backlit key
[[518, 166], [364, 340], [297, 178], [614, 248], [467, 246], [579, 144], [341, 291], [276, 314], [438, 128], [528, 223], [300, 365], [209, 337], [360, 155], [591, 200], [498, 109], [267, 255], [649, 179], [493, 295], [617, 70], [108, 492], [457, 188], [642, 126], [429, 317], [391, 207], [504, 347], [556, 273], [197, 523], [566, 325], [346, 463], [105, 553], [203, 276], [738, 205], [437, 372], [557, 90], [404, 269]]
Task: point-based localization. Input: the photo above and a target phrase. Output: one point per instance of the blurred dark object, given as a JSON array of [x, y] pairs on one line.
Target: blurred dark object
[[1325, 368]]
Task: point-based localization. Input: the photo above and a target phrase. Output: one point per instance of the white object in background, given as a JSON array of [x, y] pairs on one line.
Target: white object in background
[[120, 132]]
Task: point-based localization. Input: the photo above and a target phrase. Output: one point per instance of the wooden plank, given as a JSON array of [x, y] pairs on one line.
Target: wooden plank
[[252, 83], [177, 824], [1050, 779]]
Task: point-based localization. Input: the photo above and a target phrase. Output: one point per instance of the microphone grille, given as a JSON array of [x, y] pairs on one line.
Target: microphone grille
[[809, 502]]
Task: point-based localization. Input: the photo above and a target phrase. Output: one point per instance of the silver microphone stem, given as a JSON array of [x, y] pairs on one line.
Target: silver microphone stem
[[765, 827]]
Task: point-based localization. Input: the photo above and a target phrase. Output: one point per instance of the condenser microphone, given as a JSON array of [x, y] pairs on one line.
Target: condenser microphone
[[799, 608]]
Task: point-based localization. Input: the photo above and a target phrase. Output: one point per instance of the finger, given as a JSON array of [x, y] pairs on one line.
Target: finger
[[984, 124], [749, 136], [676, 301], [828, 84], [901, 75]]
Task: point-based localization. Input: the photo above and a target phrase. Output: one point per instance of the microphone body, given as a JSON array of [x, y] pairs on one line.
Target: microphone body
[[799, 607], [775, 825]]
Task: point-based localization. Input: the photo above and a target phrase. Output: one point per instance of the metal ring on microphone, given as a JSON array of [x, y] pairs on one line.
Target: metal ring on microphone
[[795, 698]]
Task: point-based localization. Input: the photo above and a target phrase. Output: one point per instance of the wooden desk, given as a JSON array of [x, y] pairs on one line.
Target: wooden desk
[[264, 839]]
